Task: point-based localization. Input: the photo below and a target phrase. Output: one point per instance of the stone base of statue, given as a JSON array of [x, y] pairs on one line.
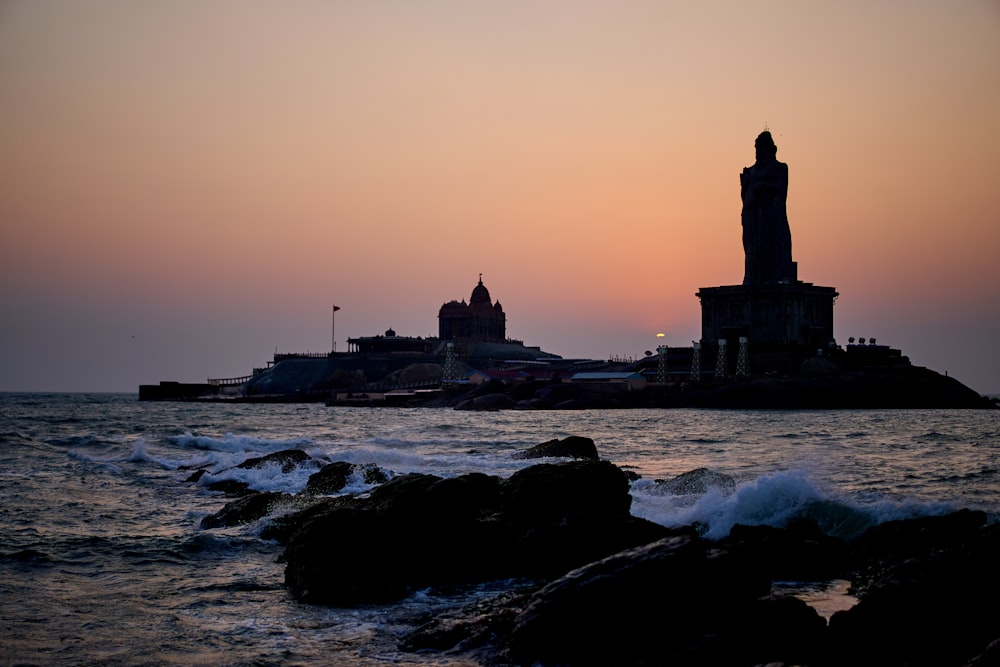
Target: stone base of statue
[[777, 315]]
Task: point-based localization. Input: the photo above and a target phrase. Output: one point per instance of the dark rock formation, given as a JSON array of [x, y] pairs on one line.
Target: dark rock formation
[[542, 521], [593, 615], [926, 599], [249, 508], [697, 481], [559, 490], [928, 590], [280, 528], [230, 487], [472, 631], [333, 477], [800, 552], [574, 446], [597, 586], [990, 657], [886, 545], [678, 601], [287, 459]]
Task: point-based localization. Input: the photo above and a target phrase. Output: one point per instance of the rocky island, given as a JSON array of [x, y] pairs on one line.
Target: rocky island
[[765, 343]]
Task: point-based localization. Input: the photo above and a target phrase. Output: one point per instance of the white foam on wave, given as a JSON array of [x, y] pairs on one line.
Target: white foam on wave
[[112, 454], [392, 459], [140, 454], [268, 477], [81, 455], [356, 485], [895, 510], [237, 443], [768, 500], [442, 464], [774, 500], [220, 454]]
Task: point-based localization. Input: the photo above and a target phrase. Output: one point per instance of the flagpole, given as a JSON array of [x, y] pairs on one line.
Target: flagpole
[[333, 330]]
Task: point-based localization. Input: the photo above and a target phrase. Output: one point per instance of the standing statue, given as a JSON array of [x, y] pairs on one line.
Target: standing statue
[[767, 240]]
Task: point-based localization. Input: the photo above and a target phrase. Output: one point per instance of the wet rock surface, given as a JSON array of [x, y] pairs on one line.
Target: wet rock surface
[[420, 530], [589, 584], [574, 446], [683, 600]]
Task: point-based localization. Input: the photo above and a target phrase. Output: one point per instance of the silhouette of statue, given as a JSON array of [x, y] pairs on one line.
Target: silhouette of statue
[[767, 240]]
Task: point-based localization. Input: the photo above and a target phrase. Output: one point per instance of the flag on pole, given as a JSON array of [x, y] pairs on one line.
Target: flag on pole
[[333, 331]]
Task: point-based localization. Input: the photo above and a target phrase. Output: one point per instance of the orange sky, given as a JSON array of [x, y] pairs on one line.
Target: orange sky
[[186, 186]]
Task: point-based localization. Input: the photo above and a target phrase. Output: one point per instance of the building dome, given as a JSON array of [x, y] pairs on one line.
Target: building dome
[[480, 295], [454, 309]]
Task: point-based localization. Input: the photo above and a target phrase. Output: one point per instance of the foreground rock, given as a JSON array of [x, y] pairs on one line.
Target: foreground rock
[[676, 601], [250, 507], [928, 592], [927, 600], [286, 459], [420, 530], [574, 447], [333, 477], [600, 587], [698, 481]]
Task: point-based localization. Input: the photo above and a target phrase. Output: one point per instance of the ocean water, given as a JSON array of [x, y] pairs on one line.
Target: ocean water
[[102, 560]]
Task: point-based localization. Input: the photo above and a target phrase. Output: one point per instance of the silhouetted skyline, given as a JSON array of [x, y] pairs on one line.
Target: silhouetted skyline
[[187, 187]]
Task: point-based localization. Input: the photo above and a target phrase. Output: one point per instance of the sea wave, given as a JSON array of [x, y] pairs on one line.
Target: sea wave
[[237, 443], [775, 499]]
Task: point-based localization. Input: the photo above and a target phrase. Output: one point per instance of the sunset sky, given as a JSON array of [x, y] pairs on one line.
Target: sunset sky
[[188, 186]]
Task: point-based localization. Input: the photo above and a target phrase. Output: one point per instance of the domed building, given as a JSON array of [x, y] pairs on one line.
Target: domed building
[[480, 319], [475, 331]]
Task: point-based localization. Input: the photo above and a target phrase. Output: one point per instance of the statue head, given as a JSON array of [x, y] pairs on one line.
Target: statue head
[[766, 149]]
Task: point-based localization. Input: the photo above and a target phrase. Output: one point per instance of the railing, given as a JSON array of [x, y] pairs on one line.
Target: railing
[[615, 359], [229, 382], [299, 355], [235, 382]]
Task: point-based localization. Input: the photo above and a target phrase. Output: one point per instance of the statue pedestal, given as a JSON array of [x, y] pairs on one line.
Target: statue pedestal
[[779, 315]]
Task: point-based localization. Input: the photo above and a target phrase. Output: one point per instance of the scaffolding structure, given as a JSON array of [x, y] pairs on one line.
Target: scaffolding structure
[[741, 357], [721, 365], [450, 364]]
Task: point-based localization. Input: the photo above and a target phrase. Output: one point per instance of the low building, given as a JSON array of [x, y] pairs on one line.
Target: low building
[[390, 343], [623, 381]]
